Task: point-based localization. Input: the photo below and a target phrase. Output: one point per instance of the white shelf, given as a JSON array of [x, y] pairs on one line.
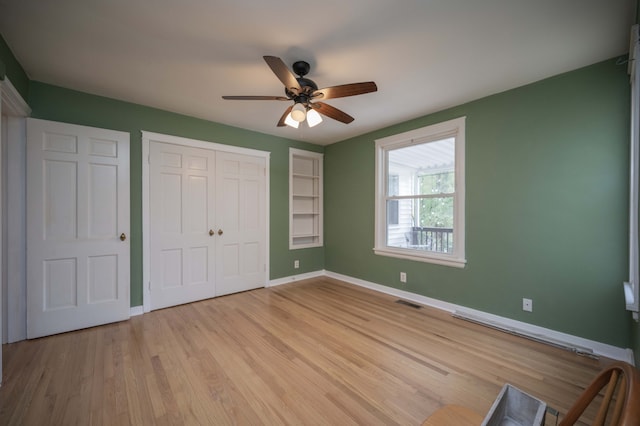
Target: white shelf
[[305, 199]]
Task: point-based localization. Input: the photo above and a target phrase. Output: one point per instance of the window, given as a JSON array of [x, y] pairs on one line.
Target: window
[[420, 194]]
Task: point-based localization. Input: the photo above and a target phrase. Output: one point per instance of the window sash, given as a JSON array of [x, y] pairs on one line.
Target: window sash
[[434, 195]]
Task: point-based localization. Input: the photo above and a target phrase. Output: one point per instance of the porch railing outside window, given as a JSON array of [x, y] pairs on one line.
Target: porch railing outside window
[[438, 240]]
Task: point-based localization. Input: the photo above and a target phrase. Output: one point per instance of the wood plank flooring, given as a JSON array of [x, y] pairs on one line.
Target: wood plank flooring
[[315, 352]]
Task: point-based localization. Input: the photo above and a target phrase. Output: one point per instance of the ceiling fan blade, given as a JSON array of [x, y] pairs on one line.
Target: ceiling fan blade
[[256, 98], [282, 72], [284, 116], [332, 112], [345, 90]]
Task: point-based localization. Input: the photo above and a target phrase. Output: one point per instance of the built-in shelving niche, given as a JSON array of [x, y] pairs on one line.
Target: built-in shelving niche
[[305, 199]]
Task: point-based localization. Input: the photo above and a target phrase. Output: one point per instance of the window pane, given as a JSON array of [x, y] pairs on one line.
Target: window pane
[[397, 233], [438, 240], [392, 205], [392, 212], [394, 185], [424, 169], [437, 183], [423, 224], [436, 212]]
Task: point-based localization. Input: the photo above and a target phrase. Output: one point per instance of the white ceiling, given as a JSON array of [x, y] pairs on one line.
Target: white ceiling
[[424, 55]]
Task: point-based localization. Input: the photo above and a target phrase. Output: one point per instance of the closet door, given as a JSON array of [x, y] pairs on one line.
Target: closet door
[[240, 187], [182, 224], [207, 221], [77, 227]]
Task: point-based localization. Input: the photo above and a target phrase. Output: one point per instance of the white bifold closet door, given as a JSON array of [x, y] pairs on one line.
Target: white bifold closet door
[[182, 222], [240, 187], [77, 227], [207, 223]]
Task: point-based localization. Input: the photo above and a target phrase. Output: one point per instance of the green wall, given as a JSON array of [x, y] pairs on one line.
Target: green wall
[[546, 206], [58, 104], [10, 67]]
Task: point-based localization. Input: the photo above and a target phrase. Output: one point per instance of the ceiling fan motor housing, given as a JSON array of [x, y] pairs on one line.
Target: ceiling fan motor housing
[[308, 87], [301, 68]]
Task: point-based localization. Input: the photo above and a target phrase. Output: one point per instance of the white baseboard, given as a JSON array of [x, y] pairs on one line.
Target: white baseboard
[[136, 310], [507, 324], [294, 278]]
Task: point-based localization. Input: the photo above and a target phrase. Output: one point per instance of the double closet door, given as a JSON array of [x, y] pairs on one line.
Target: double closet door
[[207, 223]]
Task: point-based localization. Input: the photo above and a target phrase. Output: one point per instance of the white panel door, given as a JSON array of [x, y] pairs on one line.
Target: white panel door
[[242, 221], [182, 222], [77, 227]]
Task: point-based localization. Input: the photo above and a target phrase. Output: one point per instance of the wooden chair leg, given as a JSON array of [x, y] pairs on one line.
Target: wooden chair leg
[[604, 407], [622, 394]]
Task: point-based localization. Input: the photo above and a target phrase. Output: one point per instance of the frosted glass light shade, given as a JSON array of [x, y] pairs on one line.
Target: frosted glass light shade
[[298, 113], [313, 118], [289, 121]]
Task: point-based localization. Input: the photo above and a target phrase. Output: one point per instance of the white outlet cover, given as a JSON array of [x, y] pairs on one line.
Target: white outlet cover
[[527, 305]]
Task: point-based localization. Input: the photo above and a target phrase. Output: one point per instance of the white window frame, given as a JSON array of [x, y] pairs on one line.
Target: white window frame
[[451, 128], [632, 287]]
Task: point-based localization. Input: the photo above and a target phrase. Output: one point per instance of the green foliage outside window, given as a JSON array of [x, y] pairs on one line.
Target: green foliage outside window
[[436, 212]]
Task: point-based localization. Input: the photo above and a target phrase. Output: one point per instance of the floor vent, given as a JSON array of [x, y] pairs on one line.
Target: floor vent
[[412, 305]]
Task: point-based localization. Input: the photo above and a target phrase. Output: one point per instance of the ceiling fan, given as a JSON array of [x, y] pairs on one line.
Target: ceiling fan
[[306, 96]]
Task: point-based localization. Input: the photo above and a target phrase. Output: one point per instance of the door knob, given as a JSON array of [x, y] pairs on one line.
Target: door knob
[[123, 237], [211, 232], [220, 232]]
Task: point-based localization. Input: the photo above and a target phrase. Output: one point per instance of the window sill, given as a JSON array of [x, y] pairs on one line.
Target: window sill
[[445, 260]]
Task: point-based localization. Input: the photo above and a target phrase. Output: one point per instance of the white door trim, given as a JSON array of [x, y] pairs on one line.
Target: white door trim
[[13, 169], [12, 102], [147, 138]]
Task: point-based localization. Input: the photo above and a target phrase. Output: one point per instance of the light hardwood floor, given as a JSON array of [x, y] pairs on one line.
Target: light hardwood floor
[[314, 352]]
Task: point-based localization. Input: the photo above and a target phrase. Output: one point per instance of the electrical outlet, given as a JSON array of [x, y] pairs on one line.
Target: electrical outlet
[[296, 264], [527, 305], [403, 277]]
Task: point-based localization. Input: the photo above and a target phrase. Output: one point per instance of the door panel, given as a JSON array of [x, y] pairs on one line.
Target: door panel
[[182, 213], [240, 180], [60, 284], [103, 200], [77, 208], [60, 200], [103, 279]]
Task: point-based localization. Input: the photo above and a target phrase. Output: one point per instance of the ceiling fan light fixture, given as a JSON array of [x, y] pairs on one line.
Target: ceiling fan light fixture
[[313, 118], [298, 112], [289, 121]]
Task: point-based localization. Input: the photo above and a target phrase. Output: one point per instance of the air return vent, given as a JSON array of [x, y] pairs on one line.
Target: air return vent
[[412, 305]]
